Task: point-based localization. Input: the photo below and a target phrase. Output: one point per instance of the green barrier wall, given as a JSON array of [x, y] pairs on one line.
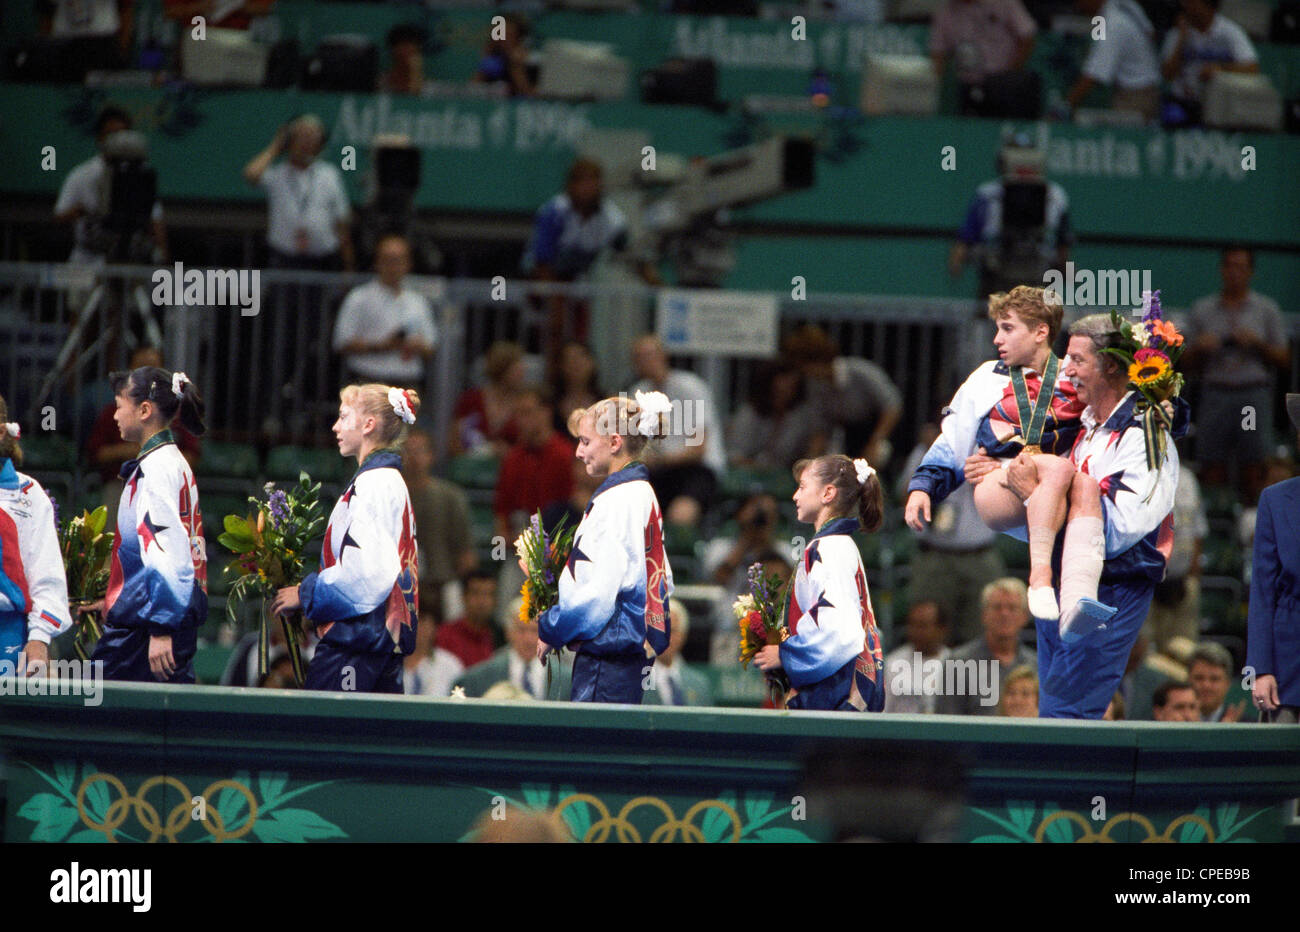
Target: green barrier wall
[[280, 766]]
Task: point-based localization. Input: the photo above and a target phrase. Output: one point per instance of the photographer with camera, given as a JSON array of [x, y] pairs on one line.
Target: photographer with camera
[[1236, 343], [727, 562], [85, 199]]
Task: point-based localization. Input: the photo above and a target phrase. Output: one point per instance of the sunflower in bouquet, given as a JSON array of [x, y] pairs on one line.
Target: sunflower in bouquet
[[1149, 351], [86, 547], [544, 555], [760, 612], [270, 548]]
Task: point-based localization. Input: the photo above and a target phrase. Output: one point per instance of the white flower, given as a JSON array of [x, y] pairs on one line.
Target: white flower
[[521, 546], [458, 693], [743, 606], [1141, 335]]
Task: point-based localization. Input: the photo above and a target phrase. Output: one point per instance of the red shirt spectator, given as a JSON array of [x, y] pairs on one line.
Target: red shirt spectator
[[471, 638], [539, 469]]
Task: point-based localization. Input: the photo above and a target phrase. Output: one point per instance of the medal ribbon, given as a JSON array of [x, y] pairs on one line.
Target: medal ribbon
[[1031, 428]]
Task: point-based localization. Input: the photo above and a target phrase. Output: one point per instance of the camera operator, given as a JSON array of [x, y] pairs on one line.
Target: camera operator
[[84, 201]]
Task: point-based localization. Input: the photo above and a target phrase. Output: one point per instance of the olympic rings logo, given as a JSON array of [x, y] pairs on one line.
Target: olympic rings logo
[[178, 819], [672, 829], [1091, 837]]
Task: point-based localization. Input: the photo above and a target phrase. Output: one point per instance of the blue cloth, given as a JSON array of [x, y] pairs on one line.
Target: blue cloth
[[336, 670], [832, 694], [610, 679], [1273, 625], [568, 242], [124, 652], [13, 636], [1078, 680]]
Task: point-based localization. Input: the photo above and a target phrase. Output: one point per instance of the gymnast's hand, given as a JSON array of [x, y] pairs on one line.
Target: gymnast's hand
[[769, 658], [979, 465], [917, 513], [286, 600]]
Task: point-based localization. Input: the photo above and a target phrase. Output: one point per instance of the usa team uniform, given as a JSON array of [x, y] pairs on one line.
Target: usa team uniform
[[33, 589], [158, 574], [1077, 678], [833, 655], [984, 413], [614, 591], [363, 601]]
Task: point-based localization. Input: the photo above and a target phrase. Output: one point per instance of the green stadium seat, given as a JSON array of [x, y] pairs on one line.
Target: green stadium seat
[[229, 460], [1015, 553], [48, 451], [285, 463], [474, 472]]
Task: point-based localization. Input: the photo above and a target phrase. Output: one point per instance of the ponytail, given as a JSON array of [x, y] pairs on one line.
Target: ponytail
[[172, 393], [866, 496]]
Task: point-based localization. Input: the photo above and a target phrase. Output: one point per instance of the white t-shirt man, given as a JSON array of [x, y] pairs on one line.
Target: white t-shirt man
[[375, 312], [681, 387], [1126, 57], [304, 208], [87, 187], [1223, 43]]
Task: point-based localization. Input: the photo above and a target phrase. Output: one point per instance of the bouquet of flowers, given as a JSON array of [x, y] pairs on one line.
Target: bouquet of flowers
[[1149, 351], [270, 547], [544, 555], [761, 615], [86, 547]]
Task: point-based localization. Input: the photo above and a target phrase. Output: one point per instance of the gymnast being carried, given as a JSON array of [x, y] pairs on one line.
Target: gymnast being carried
[[1000, 417]]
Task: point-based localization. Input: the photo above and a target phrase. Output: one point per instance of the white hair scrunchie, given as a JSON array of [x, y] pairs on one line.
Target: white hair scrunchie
[[13, 430], [179, 379], [401, 406], [864, 470], [652, 404]]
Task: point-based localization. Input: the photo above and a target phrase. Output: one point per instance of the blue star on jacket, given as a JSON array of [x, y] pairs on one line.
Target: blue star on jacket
[[148, 532], [811, 555], [575, 555], [347, 496], [1113, 484], [823, 602], [347, 542], [135, 481]]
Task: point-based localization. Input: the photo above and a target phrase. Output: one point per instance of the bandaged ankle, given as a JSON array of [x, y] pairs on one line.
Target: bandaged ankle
[[1082, 556]]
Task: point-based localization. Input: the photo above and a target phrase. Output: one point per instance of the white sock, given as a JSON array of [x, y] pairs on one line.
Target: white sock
[[1081, 559]]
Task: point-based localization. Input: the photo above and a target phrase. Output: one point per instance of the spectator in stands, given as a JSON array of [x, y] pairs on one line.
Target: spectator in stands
[[537, 470], [1210, 673], [107, 451], [1176, 607], [1124, 58], [444, 541], [1236, 343], [308, 213], [727, 561], [385, 331], [575, 226], [672, 680], [1020, 694], [927, 628], [981, 37], [573, 381], [958, 553], [863, 401], [516, 664], [1272, 645], [96, 33], [405, 75], [429, 670], [1004, 605], [684, 465], [778, 425], [472, 638], [485, 417], [505, 57], [83, 200], [1174, 701], [1202, 42]]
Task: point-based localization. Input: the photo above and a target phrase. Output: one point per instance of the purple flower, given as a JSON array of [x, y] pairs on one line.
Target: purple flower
[[550, 578], [279, 505], [535, 523], [1151, 306]]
